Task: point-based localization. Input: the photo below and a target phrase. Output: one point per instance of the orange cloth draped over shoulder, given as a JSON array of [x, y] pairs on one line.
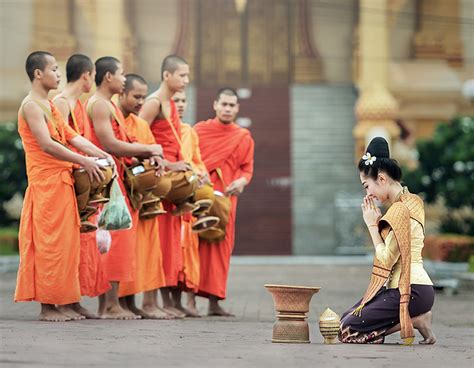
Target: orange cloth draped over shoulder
[[170, 226], [91, 271], [230, 148], [190, 240], [119, 261], [49, 226], [149, 262]]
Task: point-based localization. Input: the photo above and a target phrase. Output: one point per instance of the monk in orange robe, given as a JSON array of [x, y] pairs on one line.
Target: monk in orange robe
[[149, 276], [49, 238], [190, 240], [226, 146], [160, 112], [80, 73], [108, 131]]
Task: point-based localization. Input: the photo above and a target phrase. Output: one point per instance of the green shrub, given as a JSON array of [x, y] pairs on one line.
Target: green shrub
[[12, 168], [446, 170]]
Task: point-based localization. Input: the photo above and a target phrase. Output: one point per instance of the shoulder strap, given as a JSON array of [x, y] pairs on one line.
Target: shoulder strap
[[173, 128], [71, 113], [48, 114], [112, 113], [221, 177]]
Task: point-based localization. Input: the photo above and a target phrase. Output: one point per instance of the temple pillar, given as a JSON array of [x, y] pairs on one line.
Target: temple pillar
[[376, 109]]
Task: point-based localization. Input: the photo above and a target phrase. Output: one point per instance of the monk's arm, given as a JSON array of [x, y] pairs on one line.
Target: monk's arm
[[150, 110], [246, 168], [88, 147], [35, 120], [116, 147]]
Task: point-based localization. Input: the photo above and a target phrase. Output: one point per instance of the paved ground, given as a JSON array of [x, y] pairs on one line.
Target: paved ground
[[244, 341]]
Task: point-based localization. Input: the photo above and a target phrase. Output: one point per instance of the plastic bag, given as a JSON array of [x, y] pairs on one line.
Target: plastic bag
[[103, 240], [115, 215]]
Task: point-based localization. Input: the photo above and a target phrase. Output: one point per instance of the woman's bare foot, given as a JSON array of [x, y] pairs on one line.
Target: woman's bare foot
[[50, 313], [69, 311], [116, 312], [155, 312], [423, 324], [84, 312]]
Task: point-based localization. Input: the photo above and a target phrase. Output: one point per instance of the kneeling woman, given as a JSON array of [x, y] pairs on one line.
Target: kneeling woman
[[400, 293]]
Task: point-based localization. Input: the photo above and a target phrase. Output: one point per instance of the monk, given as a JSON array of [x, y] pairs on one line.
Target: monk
[[160, 112], [49, 238], [149, 276], [108, 131], [225, 146], [80, 73], [190, 240]]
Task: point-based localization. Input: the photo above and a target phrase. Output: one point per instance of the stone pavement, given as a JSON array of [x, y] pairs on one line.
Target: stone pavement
[[244, 341]]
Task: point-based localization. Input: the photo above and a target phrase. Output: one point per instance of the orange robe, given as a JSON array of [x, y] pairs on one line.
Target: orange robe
[[91, 271], [119, 261], [170, 226], [149, 263], [49, 227], [190, 240], [231, 149]]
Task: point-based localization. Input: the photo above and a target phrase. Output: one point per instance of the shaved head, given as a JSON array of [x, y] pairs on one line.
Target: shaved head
[[36, 60], [171, 63], [77, 65], [227, 91], [130, 79]]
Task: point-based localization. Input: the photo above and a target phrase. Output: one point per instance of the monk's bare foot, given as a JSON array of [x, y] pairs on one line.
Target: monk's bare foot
[[50, 313], [84, 312], [157, 313], [188, 312], [175, 312], [69, 311], [423, 324], [219, 312], [139, 312], [116, 312]]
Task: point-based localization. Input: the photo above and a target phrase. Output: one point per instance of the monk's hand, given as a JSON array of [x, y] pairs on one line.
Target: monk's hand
[[179, 166], [204, 179], [155, 150], [111, 162], [160, 165], [156, 160], [370, 211], [93, 169], [236, 187]]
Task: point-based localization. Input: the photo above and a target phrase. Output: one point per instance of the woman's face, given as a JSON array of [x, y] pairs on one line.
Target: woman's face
[[378, 189]]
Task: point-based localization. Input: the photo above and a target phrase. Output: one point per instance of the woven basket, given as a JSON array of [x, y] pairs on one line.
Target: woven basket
[[293, 299]]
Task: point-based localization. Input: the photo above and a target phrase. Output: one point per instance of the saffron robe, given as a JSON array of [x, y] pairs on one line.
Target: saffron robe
[[230, 148], [170, 226], [91, 271], [49, 239], [149, 273], [119, 261], [189, 239]]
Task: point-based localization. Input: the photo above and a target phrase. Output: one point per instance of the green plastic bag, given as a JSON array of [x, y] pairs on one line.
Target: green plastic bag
[[115, 215]]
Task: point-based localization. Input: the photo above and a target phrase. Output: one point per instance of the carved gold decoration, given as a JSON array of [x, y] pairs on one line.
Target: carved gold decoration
[[307, 66], [439, 39]]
